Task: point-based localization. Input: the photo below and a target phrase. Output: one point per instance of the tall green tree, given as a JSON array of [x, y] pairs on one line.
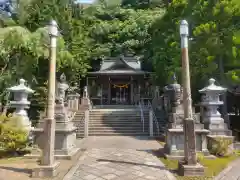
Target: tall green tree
[[212, 26]]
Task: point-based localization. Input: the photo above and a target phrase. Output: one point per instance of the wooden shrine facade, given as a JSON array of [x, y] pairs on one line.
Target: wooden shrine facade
[[120, 80]]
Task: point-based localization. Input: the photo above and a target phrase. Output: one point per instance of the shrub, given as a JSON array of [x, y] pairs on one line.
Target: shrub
[[219, 146], [12, 139]]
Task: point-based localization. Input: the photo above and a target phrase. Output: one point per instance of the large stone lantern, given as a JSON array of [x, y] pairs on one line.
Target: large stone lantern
[[21, 103], [211, 117]]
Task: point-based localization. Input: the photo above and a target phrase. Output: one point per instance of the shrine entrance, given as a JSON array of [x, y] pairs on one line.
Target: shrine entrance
[[119, 81], [120, 93]]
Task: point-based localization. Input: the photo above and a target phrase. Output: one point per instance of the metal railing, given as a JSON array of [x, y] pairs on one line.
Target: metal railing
[[154, 117], [142, 116]]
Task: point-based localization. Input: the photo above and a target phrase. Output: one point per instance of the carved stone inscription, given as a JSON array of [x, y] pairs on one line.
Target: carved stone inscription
[[191, 142]]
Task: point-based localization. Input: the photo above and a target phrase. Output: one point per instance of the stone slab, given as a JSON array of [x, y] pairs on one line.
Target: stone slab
[[119, 158], [181, 157], [190, 170], [45, 171]]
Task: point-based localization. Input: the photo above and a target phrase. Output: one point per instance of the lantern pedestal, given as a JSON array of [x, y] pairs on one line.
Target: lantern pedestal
[[65, 134], [174, 147]]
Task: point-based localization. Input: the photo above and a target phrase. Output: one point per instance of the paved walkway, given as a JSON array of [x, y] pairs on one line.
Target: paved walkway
[[119, 158], [231, 172]]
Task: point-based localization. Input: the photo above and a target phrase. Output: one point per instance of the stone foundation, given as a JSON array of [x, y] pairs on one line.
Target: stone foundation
[[45, 171], [65, 134], [174, 147], [190, 170]]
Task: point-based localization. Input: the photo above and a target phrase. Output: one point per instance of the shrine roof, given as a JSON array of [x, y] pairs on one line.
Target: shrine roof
[[130, 62], [119, 72]]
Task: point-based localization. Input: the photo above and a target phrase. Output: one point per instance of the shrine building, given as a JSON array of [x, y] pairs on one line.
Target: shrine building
[[119, 80]]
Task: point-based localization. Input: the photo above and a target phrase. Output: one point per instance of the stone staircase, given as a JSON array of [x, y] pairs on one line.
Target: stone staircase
[[118, 122], [78, 121]]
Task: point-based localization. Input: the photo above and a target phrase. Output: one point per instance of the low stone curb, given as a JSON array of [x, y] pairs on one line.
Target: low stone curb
[[169, 175], [71, 172], [226, 170]]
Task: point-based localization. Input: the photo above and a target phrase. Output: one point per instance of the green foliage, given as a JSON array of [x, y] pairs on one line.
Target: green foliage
[[12, 139], [115, 29], [214, 46], [219, 146], [108, 28], [142, 4], [213, 166]]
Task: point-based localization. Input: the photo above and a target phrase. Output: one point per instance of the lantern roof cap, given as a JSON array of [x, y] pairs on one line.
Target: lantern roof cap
[[212, 87], [21, 87]]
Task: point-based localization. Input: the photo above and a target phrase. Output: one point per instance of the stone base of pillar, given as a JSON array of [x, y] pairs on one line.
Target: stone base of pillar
[[190, 170], [65, 134], [45, 171], [174, 147], [64, 143]]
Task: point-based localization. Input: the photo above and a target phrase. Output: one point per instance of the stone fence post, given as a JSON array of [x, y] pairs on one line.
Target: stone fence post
[[73, 101], [86, 123], [151, 123]]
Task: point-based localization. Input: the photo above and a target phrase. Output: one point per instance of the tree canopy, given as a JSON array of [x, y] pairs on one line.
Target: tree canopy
[[146, 28]]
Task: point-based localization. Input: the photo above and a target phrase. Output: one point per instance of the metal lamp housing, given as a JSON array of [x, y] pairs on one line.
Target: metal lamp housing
[[184, 28], [53, 29]]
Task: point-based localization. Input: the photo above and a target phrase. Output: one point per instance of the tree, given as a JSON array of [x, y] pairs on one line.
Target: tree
[[115, 29], [212, 25], [25, 55]]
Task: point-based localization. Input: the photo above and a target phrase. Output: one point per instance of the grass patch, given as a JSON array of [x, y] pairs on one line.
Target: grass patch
[[10, 160], [213, 166], [162, 143]]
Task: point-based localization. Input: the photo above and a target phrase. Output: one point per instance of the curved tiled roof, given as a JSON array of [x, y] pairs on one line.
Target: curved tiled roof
[[130, 63]]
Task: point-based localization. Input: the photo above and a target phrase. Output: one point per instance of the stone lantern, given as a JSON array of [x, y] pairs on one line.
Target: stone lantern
[[20, 103], [211, 117]]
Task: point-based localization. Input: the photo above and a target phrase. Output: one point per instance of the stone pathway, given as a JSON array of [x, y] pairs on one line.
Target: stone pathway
[[231, 172], [119, 158]]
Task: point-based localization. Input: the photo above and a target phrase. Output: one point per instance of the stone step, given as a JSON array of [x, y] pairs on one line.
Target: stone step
[[113, 115], [131, 123], [117, 111], [117, 123], [118, 115], [117, 118], [118, 134], [123, 121], [115, 128]]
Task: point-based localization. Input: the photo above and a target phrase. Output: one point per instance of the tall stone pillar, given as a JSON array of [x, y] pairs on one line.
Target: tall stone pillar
[[188, 167]]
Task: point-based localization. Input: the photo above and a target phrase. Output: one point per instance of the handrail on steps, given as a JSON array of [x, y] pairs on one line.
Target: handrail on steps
[[154, 117], [142, 116]]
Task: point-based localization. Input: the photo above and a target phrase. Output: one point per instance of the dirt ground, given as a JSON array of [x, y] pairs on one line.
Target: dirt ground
[[20, 168]]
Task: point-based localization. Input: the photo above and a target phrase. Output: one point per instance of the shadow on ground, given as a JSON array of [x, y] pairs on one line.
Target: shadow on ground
[[131, 163], [20, 170], [159, 153]]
